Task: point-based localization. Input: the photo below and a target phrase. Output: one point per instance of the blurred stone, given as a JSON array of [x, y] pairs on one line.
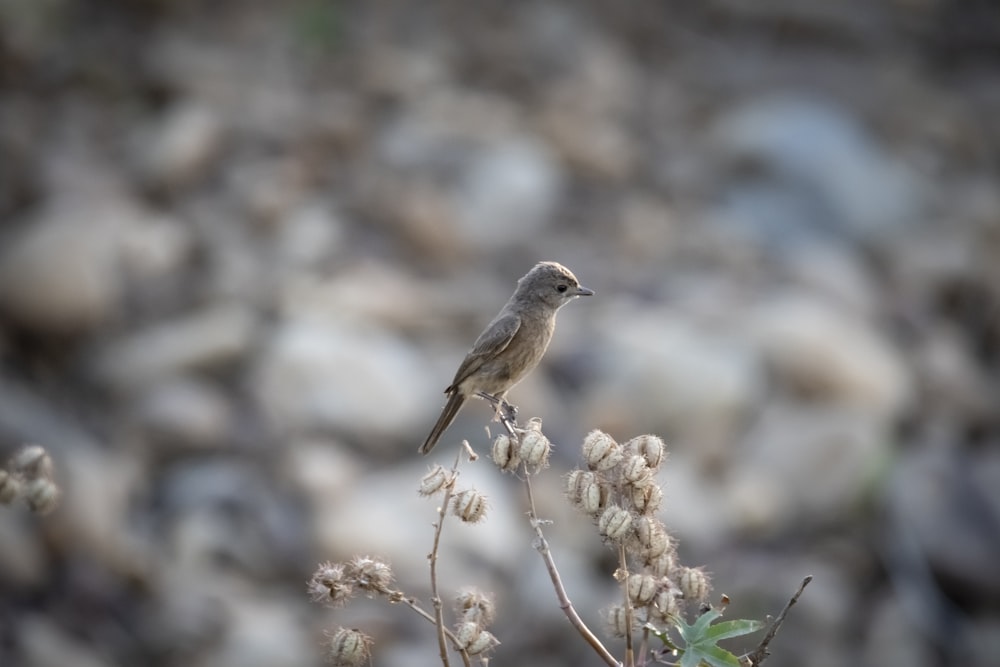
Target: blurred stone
[[263, 632], [44, 644], [804, 464], [327, 375], [660, 373], [183, 147], [892, 639], [223, 515], [92, 520], [23, 560], [940, 503], [508, 194], [60, 273], [818, 150], [601, 148], [828, 353], [156, 247], [210, 338], [308, 234], [187, 412]]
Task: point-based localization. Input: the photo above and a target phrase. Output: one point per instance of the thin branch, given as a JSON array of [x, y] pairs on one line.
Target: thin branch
[[412, 603], [542, 546], [435, 598], [623, 570], [761, 653]]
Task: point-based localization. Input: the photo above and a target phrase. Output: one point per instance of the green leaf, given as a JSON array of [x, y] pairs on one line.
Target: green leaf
[[734, 628]]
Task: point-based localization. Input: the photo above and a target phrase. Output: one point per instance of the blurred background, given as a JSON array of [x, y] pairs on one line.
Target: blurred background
[[245, 244]]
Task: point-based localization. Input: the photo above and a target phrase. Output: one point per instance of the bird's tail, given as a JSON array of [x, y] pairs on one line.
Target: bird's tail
[[451, 409]]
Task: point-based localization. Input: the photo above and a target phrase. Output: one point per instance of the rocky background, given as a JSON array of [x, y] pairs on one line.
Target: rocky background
[[245, 244]]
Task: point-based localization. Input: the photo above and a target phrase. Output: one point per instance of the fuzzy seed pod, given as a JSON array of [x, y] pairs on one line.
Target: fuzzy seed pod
[[646, 499], [693, 583], [650, 447], [435, 480], [600, 451], [664, 604], [469, 506], [41, 494], [329, 585], [642, 588], [636, 472], [615, 523], [483, 642], [614, 619], [466, 632], [586, 491], [535, 449], [369, 574], [652, 538], [348, 648], [661, 565], [10, 487], [475, 606], [32, 462], [505, 453]]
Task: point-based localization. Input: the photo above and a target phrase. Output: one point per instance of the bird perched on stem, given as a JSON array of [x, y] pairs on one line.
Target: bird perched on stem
[[512, 344]]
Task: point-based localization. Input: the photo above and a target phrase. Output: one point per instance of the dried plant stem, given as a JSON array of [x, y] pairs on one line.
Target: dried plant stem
[[399, 596], [760, 653], [435, 597], [542, 546], [627, 603]]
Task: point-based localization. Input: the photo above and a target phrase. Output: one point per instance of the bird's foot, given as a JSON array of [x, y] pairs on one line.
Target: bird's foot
[[506, 411]]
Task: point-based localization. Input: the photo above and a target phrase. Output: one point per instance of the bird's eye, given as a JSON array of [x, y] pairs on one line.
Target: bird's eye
[[562, 288]]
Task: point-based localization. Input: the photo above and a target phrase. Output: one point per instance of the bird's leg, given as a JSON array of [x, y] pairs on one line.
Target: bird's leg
[[500, 404]]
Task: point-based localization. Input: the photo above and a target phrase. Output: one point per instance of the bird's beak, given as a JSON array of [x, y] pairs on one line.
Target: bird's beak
[[583, 291]]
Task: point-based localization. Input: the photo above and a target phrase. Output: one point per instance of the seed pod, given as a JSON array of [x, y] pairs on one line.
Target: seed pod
[[475, 606], [615, 619], [615, 523], [635, 471], [41, 494], [646, 499], [435, 480], [329, 585], [484, 641], [348, 648], [600, 451], [32, 461], [641, 588], [10, 487], [535, 449], [370, 574], [505, 453], [651, 448], [652, 538], [469, 506], [693, 583], [664, 603], [661, 565]]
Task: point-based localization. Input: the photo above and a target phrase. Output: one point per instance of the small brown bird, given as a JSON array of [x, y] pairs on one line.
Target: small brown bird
[[512, 344]]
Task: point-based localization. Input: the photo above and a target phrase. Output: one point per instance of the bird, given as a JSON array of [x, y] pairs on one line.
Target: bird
[[512, 344]]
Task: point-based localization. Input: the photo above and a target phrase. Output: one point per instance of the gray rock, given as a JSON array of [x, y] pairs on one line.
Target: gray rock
[[60, 273], [661, 373], [508, 194], [207, 339], [817, 150], [186, 412], [313, 374], [831, 354], [183, 146]]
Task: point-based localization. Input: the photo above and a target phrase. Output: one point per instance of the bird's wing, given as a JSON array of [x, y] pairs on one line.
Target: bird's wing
[[490, 343]]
